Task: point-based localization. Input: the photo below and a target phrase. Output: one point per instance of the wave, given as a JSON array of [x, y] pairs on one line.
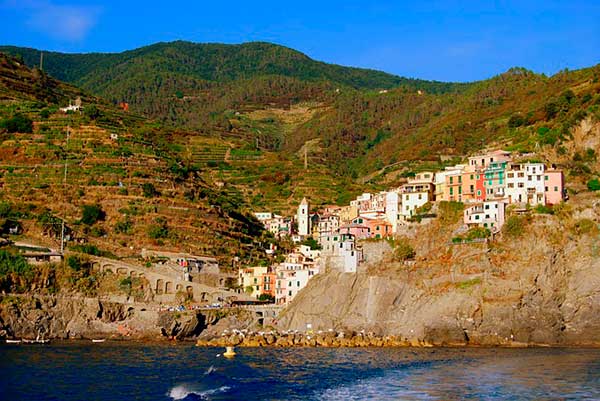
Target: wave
[[192, 392]]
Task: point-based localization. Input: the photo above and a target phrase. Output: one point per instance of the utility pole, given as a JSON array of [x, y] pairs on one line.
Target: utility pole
[[305, 157], [41, 61]]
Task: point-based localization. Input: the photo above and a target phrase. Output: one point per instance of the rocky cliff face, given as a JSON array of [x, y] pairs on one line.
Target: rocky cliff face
[[542, 288], [69, 317]]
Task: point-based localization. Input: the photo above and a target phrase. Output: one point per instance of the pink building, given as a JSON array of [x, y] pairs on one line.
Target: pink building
[[357, 228], [554, 186]]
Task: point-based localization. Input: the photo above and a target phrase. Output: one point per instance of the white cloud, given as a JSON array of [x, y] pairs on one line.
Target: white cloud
[[60, 21]]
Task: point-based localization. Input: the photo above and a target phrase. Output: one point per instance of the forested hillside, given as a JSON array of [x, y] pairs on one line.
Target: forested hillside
[[189, 84], [356, 121]]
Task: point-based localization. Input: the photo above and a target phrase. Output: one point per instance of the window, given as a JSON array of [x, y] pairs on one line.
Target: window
[[420, 196], [510, 175], [476, 217], [471, 176], [297, 283], [546, 189], [487, 207], [290, 293], [478, 192], [451, 180], [511, 185], [555, 189], [546, 177], [451, 191], [290, 284], [460, 190], [471, 188], [255, 280]]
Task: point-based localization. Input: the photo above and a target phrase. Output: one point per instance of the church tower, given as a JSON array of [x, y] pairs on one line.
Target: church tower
[[303, 218]]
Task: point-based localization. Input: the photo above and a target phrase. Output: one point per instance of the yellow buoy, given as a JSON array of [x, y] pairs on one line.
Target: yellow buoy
[[229, 352]]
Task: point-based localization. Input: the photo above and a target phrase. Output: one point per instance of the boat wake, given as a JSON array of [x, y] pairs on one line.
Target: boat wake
[[191, 392]]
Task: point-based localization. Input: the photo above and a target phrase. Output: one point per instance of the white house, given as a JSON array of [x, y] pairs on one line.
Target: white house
[[262, 216], [416, 193], [525, 183], [489, 214], [343, 254]]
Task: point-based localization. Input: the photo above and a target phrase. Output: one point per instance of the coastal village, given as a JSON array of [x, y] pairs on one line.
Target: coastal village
[[331, 238]]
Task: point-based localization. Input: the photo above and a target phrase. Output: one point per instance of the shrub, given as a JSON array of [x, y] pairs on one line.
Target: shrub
[[15, 272], [514, 226], [266, 297], [585, 226], [149, 191], [403, 250], [516, 120], [91, 214], [17, 123], [312, 243], [44, 114], [92, 111], [450, 212], [159, 230], [478, 233], [124, 227], [593, 185], [543, 209]]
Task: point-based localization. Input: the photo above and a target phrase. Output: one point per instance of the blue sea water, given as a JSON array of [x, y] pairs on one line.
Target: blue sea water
[[137, 371]]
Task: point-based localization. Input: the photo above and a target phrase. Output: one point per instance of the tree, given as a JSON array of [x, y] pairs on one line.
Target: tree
[[17, 123], [91, 214], [149, 191], [92, 111]]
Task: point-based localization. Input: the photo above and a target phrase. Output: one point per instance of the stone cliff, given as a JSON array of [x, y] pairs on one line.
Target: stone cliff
[[72, 317], [540, 288]]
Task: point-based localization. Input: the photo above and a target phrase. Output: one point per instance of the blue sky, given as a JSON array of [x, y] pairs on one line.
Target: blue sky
[[442, 40]]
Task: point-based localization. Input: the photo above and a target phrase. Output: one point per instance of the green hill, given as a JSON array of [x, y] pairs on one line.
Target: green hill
[[213, 62]]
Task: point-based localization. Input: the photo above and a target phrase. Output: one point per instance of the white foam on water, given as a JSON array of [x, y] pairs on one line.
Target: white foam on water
[[182, 391], [388, 387]]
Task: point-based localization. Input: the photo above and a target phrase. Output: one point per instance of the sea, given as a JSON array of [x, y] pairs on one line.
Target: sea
[[115, 371]]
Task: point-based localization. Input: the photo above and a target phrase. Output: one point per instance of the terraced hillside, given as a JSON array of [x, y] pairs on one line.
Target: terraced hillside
[[133, 174]]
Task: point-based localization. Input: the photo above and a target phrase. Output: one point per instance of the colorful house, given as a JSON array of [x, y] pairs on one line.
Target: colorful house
[[484, 160], [257, 280], [554, 186], [495, 179]]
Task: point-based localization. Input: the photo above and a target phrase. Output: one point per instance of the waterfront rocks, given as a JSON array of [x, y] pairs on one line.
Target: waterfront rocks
[[322, 339]]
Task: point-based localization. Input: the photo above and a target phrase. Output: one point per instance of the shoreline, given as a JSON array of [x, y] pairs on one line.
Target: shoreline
[[360, 340]]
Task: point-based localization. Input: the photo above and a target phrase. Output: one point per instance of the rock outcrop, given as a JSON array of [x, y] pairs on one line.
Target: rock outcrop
[[71, 317], [541, 289]]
